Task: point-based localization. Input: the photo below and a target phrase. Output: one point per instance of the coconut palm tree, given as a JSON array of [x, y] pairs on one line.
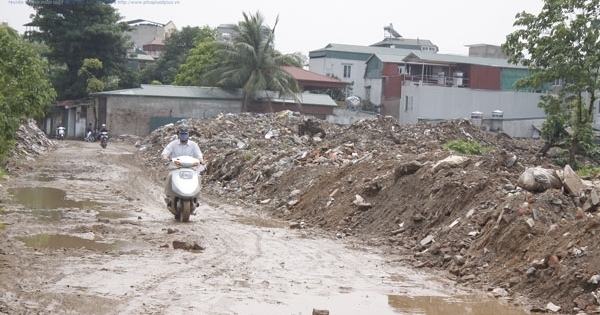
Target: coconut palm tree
[[250, 62]]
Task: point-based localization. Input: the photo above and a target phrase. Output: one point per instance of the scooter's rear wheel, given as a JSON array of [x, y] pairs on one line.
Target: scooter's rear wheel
[[186, 210]]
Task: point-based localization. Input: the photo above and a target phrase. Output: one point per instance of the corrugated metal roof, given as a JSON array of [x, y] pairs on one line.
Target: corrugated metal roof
[[387, 54], [364, 49], [215, 93], [405, 41], [305, 98], [391, 58], [447, 58], [317, 99], [179, 91]]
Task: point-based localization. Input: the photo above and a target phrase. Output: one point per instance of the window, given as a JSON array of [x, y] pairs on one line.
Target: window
[[429, 48], [408, 103], [347, 71]]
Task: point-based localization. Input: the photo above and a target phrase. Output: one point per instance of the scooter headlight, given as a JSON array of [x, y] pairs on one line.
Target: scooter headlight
[[186, 175]]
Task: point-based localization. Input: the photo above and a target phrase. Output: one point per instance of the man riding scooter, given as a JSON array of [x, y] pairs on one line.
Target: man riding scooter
[[182, 146]]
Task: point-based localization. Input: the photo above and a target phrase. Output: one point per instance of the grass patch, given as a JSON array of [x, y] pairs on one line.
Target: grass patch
[[466, 147], [247, 155], [587, 172]]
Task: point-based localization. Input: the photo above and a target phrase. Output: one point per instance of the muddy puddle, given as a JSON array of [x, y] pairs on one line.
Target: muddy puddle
[[114, 214], [372, 303], [435, 305], [57, 241], [47, 198], [262, 222]]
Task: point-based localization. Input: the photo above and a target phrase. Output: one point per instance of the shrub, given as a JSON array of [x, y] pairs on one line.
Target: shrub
[[466, 147]]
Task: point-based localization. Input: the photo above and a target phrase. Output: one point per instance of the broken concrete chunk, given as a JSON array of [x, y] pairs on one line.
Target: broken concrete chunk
[[552, 307], [594, 197], [428, 239], [449, 162], [407, 169], [572, 182], [538, 179]]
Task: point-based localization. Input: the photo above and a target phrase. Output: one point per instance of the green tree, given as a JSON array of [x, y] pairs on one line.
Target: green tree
[[76, 30], [561, 44], [198, 60], [176, 48], [25, 91], [90, 70], [251, 62]]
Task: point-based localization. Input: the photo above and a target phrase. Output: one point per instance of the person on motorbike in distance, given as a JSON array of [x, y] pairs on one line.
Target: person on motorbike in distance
[[180, 147], [89, 130], [103, 129]]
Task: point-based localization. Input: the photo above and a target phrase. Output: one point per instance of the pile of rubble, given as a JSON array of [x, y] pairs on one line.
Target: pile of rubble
[[400, 187], [30, 143]]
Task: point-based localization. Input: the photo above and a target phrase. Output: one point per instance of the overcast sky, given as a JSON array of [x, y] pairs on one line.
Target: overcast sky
[[310, 24]]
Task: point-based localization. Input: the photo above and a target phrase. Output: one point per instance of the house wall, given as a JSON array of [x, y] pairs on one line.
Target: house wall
[[143, 34], [132, 114], [420, 102], [376, 95], [390, 108], [335, 67], [392, 88], [486, 78]]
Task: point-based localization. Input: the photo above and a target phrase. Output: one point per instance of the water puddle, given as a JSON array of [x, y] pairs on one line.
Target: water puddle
[[358, 303], [435, 305], [114, 214], [55, 241], [47, 198], [262, 222], [40, 177]]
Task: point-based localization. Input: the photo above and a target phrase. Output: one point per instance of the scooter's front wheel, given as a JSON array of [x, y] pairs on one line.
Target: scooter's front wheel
[[186, 209]]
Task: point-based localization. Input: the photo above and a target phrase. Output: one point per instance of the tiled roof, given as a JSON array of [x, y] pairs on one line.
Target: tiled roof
[[309, 78]]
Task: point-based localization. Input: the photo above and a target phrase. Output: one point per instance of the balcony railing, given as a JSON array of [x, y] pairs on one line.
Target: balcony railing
[[437, 80]]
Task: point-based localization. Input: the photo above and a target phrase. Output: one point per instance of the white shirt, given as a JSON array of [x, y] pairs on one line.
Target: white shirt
[[175, 149]]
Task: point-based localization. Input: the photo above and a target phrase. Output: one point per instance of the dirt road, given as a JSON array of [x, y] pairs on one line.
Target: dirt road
[[86, 232]]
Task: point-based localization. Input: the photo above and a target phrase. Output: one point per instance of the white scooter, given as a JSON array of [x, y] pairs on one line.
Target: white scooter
[[183, 186], [60, 133]]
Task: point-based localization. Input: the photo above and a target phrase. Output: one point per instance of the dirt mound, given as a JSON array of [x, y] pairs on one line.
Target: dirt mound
[[400, 187]]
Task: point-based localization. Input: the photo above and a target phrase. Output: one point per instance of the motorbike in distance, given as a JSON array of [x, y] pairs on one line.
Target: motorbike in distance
[[104, 139], [90, 136], [60, 133], [183, 186]]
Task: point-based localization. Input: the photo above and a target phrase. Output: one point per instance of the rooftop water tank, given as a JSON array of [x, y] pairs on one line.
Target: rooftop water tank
[[497, 120], [477, 118]]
